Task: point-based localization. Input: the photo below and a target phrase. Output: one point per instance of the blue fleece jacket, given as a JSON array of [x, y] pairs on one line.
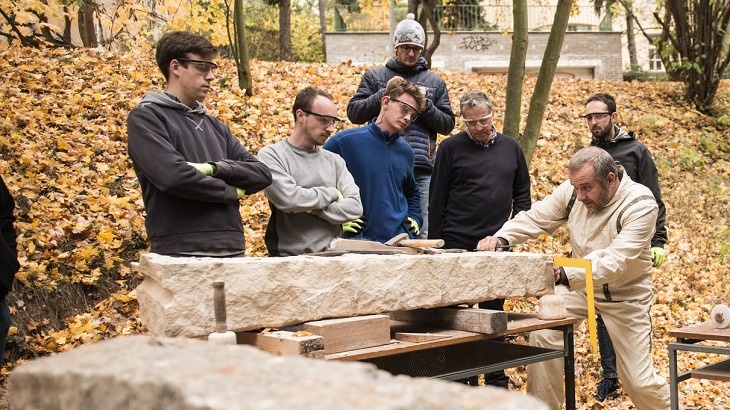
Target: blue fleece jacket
[[382, 167]]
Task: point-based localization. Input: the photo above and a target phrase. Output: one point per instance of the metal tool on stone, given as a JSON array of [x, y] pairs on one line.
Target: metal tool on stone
[[221, 335], [403, 240], [584, 264], [720, 316]]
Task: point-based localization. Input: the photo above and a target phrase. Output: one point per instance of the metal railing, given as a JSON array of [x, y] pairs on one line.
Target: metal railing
[[465, 18]]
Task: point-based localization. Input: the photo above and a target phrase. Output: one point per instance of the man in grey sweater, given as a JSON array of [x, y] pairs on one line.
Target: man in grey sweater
[[312, 193]]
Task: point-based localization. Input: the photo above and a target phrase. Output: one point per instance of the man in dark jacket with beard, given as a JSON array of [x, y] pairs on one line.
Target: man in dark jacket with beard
[[638, 164], [437, 117]]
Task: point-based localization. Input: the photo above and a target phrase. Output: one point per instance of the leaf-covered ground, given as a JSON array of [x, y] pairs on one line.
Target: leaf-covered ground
[[80, 214]]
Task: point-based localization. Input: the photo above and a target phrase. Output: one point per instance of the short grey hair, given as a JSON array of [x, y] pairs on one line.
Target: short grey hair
[[603, 163], [473, 99]]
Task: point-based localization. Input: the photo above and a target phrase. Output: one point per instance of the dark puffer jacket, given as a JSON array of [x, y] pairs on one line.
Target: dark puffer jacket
[[437, 118]]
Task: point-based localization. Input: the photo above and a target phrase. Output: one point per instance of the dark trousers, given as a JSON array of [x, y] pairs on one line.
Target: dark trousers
[[4, 326], [605, 346]]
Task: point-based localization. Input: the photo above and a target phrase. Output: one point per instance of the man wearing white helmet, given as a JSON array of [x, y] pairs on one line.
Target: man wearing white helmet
[[437, 117]]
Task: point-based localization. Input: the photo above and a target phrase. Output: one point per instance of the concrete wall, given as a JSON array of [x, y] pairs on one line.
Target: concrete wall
[[584, 54]]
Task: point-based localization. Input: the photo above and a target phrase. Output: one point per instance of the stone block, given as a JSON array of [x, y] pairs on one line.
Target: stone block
[[143, 372], [176, 298]]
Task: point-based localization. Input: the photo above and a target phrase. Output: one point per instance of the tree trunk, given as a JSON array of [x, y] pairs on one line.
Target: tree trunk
[[86, 24], [631, 39], [323, 26], [516, 71], [700, 29], [427, 16], [540, 97], [240, 49], [285, 52]]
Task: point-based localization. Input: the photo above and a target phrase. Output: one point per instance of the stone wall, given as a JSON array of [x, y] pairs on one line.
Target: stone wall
[[584, 54]]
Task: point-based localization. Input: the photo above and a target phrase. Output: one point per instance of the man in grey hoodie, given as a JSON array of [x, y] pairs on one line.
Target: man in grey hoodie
[[191, 169]]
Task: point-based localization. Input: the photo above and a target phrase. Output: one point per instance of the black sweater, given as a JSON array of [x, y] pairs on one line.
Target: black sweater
[[475, 190]]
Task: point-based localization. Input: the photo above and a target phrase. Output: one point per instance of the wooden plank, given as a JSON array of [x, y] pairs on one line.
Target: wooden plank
[[283, 342], [417, 337], [717, 371], [471, 320], [702, 331], [351, 333], [518, 323]]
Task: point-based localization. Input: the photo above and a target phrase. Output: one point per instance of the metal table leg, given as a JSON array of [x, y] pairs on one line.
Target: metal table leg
[[569, 361], [673, 379]]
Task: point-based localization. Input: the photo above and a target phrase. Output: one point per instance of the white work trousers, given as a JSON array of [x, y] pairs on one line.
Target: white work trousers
[[629, 326]]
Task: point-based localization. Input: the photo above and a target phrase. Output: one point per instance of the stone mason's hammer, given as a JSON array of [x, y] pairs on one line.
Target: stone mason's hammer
[[403, 240]]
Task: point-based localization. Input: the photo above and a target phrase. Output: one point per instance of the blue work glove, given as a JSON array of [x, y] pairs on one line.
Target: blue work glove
[[658, 255], [413, 226], [205, 168], [355, 226]]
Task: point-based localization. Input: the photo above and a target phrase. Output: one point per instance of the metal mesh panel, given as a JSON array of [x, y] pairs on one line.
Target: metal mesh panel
[[460, 360]]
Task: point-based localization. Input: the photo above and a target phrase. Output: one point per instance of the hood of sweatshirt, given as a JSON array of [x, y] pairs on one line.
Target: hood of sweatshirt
[[166, 100]]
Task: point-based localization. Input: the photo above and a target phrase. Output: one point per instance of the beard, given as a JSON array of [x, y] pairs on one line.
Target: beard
[[602, 133]]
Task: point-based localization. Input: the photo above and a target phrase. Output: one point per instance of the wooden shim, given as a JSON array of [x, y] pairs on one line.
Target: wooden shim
[[283, 342], [418, 337], [351, 333], [470, 320]]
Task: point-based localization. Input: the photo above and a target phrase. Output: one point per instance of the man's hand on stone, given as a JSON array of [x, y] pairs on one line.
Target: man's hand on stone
[[490, 243]]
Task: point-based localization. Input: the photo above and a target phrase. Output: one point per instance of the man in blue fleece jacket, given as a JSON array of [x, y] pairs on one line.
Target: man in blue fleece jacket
[[382, 164]]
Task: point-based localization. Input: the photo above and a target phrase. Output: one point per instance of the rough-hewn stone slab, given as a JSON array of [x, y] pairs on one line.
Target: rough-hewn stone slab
[[142, 372], [176, 297]]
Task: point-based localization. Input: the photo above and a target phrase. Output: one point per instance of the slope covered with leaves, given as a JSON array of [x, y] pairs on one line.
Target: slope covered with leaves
[[80, 214]]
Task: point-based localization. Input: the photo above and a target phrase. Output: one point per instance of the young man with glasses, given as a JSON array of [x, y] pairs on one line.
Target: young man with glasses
[[382, 164], [480, 180], [437, 117], [192, 170], [312, 193], [601, 116]]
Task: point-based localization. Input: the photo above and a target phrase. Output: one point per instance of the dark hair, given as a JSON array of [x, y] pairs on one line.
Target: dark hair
[[179, 44], [474, 98], [305, 98], [399, 87], [606, 99], [602, 162]]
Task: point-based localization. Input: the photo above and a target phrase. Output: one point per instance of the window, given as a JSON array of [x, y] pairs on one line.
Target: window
[[655, 63]]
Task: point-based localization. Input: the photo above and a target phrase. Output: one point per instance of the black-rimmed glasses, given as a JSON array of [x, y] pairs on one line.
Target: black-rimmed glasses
[[202, 66], [406, 108], [326, 120], [597, 116]]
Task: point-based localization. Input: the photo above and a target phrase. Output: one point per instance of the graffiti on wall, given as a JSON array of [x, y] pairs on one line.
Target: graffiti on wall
[[476, 43]]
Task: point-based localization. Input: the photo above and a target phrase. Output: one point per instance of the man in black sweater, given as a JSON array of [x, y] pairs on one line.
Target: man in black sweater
[[480, 180]]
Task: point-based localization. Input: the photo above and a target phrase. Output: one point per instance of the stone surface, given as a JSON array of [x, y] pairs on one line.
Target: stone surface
[[176, 299], [142, 372]]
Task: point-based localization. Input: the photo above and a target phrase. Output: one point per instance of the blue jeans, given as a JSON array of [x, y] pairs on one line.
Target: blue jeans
[[4, 326], [608, 355], [423, 179]]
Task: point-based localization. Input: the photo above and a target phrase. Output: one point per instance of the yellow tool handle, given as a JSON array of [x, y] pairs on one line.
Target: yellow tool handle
[[585, 264]]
